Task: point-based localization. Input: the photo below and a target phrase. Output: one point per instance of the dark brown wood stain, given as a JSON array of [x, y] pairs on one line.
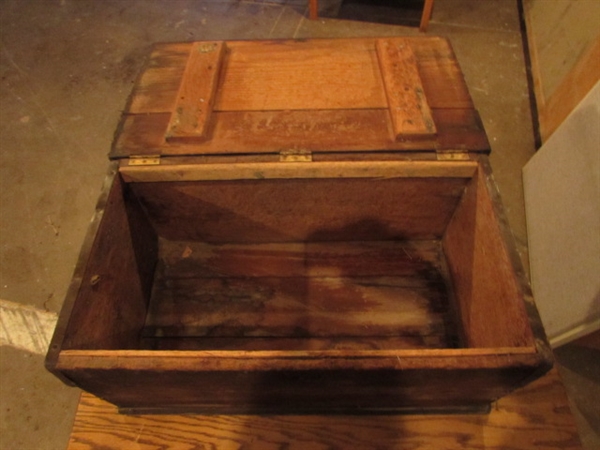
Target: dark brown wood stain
[[331, 292]]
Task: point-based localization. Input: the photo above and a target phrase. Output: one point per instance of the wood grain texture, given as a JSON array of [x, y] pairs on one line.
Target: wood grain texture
[[190, 118], [233, 360], [304, 381], [363, 122], [156, 89], [301, 75], [439, 70], [270, 170], [537, 416], [277, 210], [484, 286], [71, 297], [209, 383], [318, 131], [291, 379], [408, 106], [307, 290], [182, 343], [296, 307], [115, 286]]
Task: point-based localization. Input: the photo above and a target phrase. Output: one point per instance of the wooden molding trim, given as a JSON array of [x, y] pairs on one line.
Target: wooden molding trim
[[571, 91], [409, 110], [534, 58], [358, 169]]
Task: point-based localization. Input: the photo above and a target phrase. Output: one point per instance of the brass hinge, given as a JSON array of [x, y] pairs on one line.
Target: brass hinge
[[296, 155], [144, 160], [458, 155]]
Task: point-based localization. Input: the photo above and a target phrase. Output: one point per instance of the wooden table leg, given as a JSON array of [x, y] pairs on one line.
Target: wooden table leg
[[313, 9], [427, 8]]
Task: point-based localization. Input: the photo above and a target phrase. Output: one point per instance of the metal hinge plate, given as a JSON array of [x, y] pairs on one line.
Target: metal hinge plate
[[453, 156], [144, 160], [295, 156]]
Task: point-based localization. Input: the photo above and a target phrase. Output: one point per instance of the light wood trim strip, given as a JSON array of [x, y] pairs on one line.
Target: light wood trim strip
[[277, 170], [411, 116], [196, 96], [574, 87], [298, 360], [299, 354]]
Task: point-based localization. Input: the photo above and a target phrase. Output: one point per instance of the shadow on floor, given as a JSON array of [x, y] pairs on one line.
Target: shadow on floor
[[579, 366], [390, 12]]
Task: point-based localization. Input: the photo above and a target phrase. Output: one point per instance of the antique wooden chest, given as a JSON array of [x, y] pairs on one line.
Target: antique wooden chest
[[300, 227]]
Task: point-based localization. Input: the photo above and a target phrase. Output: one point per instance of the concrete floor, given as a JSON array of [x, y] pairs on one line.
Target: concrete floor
[[67, 67]]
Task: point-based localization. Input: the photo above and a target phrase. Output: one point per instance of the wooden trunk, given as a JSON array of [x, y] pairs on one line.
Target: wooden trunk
[[300, 227]]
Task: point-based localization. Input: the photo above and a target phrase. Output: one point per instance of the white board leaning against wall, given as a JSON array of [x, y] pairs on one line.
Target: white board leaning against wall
[[562, 202]]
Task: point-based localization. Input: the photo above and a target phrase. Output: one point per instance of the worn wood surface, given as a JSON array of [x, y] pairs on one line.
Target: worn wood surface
[[405, 94], [71, 298], [157, 86], [232, 360], [301, 102], [188, 171], [288, 210], [537, 416], [196, 95], [114, 289], [319, 131], [182, 343], [316, 75], [302, 290], [484, 286], [284, 382]]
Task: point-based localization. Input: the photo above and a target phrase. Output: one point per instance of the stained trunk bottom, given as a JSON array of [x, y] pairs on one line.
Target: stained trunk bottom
[[300, 296]]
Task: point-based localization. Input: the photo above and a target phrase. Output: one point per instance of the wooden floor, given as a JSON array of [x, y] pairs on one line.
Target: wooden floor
[[537, 416], [319, 295]]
